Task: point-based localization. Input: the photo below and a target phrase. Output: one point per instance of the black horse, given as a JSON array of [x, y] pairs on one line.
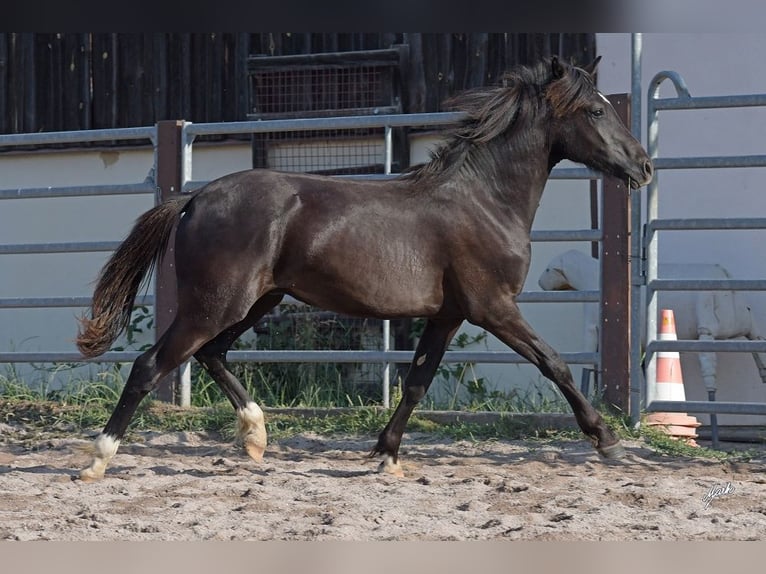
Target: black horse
[[448, 241]]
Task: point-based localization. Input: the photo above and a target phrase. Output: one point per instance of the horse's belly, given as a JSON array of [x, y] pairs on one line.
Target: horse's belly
[[368, 290]]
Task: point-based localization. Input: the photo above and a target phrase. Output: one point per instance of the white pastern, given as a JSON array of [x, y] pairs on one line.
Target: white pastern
[[103, 449], [251, 430], [388, 466]]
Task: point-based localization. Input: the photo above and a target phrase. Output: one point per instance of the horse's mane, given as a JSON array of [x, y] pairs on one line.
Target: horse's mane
[[494, 111]]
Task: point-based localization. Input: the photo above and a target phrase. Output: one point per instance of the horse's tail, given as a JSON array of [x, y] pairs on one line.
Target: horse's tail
[[123, 275]]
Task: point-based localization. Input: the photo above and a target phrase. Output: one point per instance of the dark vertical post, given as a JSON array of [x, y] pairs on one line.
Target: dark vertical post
[[169, 150], [614, 344]]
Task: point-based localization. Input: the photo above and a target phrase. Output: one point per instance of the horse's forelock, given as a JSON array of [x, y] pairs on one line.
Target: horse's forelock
[[570, 92]]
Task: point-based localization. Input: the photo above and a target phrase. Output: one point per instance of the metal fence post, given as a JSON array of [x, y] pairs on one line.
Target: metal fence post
[[389, 149], [168, 158]]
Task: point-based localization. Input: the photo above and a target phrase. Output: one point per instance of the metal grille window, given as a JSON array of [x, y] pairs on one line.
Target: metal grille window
[[301, 91], [324, 85]]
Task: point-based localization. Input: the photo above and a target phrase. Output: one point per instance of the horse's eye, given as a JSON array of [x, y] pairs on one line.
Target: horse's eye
[[597, 112]]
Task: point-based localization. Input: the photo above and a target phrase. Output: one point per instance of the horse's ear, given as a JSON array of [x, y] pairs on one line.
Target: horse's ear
[[591, 68], [557, 68]]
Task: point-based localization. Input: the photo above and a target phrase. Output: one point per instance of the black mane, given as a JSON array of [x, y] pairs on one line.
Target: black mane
[[497, 110]]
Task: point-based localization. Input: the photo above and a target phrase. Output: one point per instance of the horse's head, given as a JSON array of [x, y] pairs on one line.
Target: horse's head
[[586, 129]]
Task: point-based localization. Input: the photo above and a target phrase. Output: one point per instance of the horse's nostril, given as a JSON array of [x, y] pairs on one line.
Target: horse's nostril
[[648, 168]]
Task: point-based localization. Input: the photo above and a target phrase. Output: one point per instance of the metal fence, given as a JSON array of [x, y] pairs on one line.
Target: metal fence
[[654, 283], [189, 132], [147, 186]]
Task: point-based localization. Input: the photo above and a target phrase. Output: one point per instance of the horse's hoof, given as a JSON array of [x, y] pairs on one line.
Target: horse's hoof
[[254, 448], [388, 466], [90, 475], [612, 452]]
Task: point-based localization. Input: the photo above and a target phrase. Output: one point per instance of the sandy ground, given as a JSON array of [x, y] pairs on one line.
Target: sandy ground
[[192, 486]]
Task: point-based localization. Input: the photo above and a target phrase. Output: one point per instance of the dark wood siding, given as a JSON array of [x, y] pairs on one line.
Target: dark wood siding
[[73, 81]]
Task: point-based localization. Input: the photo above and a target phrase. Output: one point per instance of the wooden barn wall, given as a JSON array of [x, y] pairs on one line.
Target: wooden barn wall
[[74, 81]]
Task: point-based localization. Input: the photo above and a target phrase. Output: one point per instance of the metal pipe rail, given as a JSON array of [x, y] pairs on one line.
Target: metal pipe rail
[[710, 162], [704, 346], [191, 130], [63, 247], [707, 285], [499, 357], [54, 302], [66, 357], [79, 191], [80, 136], [686, 102], [300, 356], [557, 173], [711, 408], [706, 223]]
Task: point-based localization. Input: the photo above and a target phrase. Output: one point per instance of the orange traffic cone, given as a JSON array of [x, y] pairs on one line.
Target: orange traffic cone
[[670, 387]]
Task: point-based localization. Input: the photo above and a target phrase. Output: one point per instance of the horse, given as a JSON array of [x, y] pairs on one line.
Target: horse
[[447, 241]]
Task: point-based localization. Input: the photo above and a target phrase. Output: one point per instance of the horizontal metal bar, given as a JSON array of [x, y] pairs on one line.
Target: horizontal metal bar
[[559, 296], [574, 173], [707, 285], [39, 357], [330, 123], [304, 357], [715, 346], [393, 357], [567, 235], [713, 162], [66, 247], [707, 224], [557, 173], [79, 136], [709, 102], [43, 302], [709, 407], [52, 302], [79, 191]]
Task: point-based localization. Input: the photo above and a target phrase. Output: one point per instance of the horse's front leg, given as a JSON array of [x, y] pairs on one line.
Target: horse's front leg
[[504, 320], [430, 350]]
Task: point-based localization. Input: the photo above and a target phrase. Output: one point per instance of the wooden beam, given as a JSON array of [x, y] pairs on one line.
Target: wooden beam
[[615, 328], [169, 185]]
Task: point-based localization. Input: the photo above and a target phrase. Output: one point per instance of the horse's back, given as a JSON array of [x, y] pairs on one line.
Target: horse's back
[[356, 247]]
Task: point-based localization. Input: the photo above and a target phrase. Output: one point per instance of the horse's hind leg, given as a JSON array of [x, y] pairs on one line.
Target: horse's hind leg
[[509, 326], [251, 428], [174, 347], [433, 342]]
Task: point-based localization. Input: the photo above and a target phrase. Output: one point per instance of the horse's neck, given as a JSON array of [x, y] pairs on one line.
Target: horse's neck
[[513, 171]]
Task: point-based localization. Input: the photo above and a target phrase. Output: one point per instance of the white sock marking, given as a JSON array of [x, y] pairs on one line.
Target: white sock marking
[[250, 416], [104, 448]]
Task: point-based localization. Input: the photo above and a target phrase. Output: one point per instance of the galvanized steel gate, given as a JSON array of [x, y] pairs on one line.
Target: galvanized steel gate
[[651, 240]]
